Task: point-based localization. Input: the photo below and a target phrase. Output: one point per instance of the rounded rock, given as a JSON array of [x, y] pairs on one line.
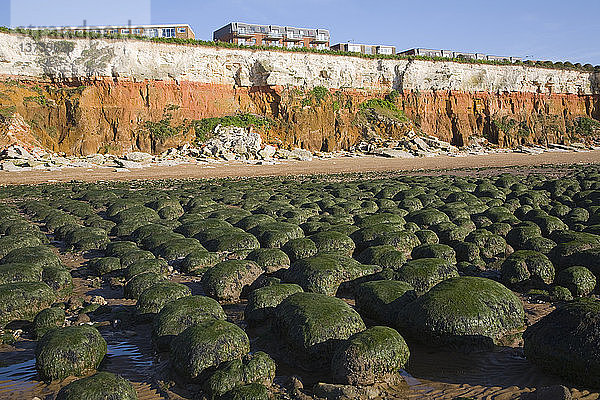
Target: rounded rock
[[464, 310], [311, 324], [101, 386], [371, 356], [207, 345], [566, 342], [63, 352]]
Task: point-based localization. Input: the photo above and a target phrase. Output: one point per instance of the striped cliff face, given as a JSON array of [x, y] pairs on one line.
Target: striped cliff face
[[78, 96]]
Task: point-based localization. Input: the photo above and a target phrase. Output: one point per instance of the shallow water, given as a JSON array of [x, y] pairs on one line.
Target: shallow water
[[18, 377], [126, 356]]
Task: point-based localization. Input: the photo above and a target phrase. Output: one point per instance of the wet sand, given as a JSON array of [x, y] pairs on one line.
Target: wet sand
[[328, 166]]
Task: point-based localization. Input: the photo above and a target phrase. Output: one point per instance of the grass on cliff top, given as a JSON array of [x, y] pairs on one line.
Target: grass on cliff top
[[530, 63]]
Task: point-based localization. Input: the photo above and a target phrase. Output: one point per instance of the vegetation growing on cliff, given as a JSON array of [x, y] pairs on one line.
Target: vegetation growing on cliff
[[386, 107], [508, 126], [583, 126], [41, 100], [7, 112], [204, 128], [315, 96], [163, 129]]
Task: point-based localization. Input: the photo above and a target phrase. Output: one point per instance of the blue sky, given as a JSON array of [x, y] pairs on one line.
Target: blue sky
[[548, 29]]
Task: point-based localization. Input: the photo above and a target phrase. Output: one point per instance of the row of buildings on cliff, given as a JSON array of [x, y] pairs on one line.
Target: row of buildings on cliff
[[274, 36]]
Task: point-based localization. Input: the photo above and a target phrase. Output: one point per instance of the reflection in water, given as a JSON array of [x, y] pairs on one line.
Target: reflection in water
[[123, 358], [18, 376], [127, 360]]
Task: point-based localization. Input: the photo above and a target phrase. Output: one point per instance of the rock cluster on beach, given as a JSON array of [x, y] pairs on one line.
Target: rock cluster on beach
[[230, 143]]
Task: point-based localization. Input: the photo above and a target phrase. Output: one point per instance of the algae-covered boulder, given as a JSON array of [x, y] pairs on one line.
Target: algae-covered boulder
[[12, 242], [424, 273], [560, 293], [381, 301], [120, 248], [198, 261], [403, 241], [427, 217], [134, 256], [153, 299], [178, 315], [427, 236], [75, 350], [490, 245], [521, 233], [541, 244], [324, 273], [233, 241], [527, 267], [262, 301], [207, 345], [297, 249], [13, 273], [586, 258], [157, 265], [566, 342], [312, 324], [58, 278], [40, 256], [371, 356], [270, 260], [373, 255], [253, 391], [101, 386], [579, 280], [464, 310], [252, 368], [48, 319], [23, 300], [87, 238], [136, 285], [178, 249], [332, 241], [435, 251], [104, 265], [226, 280]]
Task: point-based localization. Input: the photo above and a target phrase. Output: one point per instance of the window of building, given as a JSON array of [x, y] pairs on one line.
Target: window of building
[[385, 50], [321, 36], [181, 30], [368, 50], [112, 31], [151, 32], [242, 41], [125, 31], [354, 48], [168, 32], [137, 31]]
